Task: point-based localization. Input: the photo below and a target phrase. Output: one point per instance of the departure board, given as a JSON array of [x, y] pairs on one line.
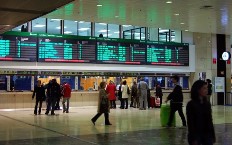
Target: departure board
[[18, 47], [163, 54], [55, 49], [116, 52]]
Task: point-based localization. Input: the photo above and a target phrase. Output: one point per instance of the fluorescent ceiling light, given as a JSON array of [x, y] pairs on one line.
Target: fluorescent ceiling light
[[103, 31], [116, 16], [168, 2], [99, 5], [56, 19], [126, 25], [39, 26], [83, 29], [102, 23], [68, 32], [163, 30], [116, 32], [186, 30], [176, 14], [59, 27], [182, 23]]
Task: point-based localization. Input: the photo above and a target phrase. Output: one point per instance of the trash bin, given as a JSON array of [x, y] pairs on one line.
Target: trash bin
[[164, 115]]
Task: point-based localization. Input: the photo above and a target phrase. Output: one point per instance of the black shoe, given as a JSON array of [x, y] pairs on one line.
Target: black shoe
[[67, 111], [53, 114], [46, 113], [93, 122], [108, 124], [126, 108]]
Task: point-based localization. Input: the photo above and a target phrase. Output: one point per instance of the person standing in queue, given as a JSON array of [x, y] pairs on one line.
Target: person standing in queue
[[159, 93], [134, 95], [53, 93], [199, 116], [39, 91], [125, 94], [209, 84], [142, 87], [120, 94], [103, 105], [176, 98], [111, 89], [66, 96]]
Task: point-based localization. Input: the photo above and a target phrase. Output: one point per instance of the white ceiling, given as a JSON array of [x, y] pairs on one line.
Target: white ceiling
[[154, 13]]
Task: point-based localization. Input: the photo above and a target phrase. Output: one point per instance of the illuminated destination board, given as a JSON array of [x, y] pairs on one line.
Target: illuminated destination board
[[163, 54], [18, 47], [119, 52], [55, 48]]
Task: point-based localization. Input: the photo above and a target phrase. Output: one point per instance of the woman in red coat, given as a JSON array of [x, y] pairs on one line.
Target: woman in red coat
[[111, 90]]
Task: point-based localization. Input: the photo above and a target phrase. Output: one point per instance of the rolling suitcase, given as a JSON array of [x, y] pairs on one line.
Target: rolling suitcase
[[164, 115], [152, 102]]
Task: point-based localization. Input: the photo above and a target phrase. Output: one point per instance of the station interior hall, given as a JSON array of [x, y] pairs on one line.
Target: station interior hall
[[108, 48]]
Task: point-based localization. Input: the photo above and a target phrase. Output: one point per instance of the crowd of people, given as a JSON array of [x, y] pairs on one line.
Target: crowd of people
[[52, 93]]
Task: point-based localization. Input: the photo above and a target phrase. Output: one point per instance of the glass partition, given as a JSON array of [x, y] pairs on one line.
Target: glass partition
[[39, 25]]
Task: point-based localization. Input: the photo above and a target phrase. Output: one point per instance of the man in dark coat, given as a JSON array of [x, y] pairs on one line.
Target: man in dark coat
[[176, 98], [53, 93]]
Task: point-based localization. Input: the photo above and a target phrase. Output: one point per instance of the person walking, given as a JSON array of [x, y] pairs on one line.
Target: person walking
[[199, 116], [103, 105], [53, 94], [176, 98], [66, 96], [39, 92], [125, 94], [142, 87], [111, 90], [134, 95]]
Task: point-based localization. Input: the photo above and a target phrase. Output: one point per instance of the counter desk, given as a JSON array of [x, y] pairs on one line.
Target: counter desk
[[22, 100]]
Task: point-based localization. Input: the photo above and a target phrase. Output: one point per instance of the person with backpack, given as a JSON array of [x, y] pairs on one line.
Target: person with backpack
[[66, 96]]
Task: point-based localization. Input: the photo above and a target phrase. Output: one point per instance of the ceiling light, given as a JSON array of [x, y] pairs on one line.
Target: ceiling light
[[176, 14], [182, 23], [55, 19], [103, 31], [39, 26], [186, 30], [83, 29], [99, 5], [102, 23], [67, 32], [116, 16], [168, 2], [126, 25]]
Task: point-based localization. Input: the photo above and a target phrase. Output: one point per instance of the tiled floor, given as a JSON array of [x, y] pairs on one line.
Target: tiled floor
[[130, 127]]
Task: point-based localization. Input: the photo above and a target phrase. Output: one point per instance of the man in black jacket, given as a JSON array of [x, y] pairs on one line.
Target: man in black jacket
[[176, 98], [53, 93]]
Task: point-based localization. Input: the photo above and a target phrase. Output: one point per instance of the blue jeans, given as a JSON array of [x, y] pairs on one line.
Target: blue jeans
[[63, 102]]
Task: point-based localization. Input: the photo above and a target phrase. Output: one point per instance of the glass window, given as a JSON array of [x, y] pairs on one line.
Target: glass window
[[101, 28], [164, 35], [176, 36], [113, 31], [19, 27], [136, 33], [70, 27], [54, 26], [84, 28], [153, 34], [39, 25], [127, 27]]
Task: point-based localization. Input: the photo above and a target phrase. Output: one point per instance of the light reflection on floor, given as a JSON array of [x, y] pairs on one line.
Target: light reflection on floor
[[130, 126]]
